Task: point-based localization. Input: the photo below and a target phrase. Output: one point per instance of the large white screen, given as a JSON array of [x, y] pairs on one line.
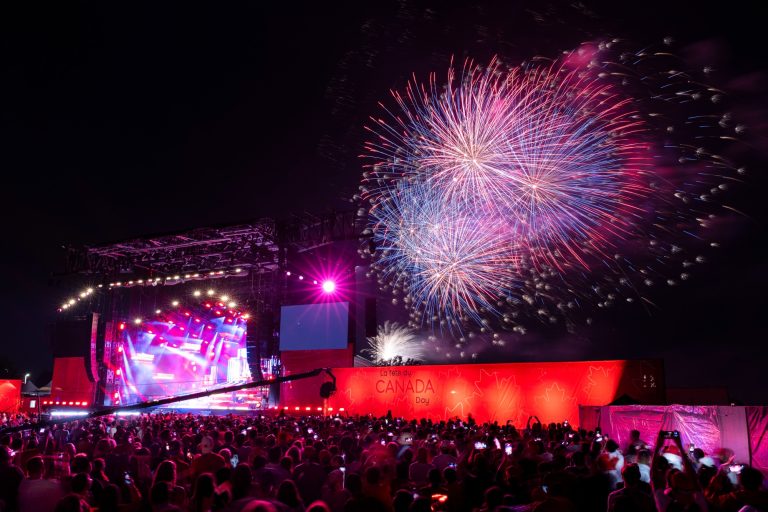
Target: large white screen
[[314, 326]]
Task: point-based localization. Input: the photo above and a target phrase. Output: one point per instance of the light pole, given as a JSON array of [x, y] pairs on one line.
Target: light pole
[[26, 376]]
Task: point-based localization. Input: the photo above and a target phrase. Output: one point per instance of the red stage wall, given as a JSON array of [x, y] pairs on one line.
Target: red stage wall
[[10, 395], [495, 392], [70, 381], [306, 392]]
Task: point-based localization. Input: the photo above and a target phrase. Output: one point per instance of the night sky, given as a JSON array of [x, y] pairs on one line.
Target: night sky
[[122, 121]]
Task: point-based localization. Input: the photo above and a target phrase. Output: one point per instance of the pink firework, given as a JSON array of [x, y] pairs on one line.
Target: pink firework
[[548, 160]]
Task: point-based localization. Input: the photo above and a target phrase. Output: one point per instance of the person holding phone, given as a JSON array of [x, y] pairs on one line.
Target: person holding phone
[[749, 492], [683, 491], [446, 457]]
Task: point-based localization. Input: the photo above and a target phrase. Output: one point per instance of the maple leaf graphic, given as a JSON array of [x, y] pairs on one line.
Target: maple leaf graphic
[[555, 405], [600, 388], [499, 395], [461, 391]]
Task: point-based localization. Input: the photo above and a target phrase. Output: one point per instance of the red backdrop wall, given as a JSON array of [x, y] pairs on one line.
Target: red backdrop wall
[[306, 392], [495, 392], [10, 395], [70, 380]]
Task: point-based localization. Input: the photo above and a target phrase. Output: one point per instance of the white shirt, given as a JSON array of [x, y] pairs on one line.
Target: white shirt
[[645, 472]]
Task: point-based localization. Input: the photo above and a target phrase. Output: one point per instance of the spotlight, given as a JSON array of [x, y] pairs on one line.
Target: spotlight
[[137, 321], [158, 311], [175, 303], [329, 286], [211, 292], [224, 298], [288, 273], [232, 304], [176, 277], [238, 270], [196, 293], [301, 278]]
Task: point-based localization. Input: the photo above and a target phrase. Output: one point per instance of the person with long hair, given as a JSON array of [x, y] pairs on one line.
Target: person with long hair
[[166, 472]]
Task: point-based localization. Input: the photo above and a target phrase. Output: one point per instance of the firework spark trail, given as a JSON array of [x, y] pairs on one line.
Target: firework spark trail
[[544, 162], [449, 261], [392, 340]]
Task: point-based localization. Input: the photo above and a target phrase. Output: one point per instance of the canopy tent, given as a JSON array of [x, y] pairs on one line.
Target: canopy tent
[[743, 430]]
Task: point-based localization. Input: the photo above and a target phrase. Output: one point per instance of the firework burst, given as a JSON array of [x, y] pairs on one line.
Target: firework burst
[[394, 340], [516, 190]]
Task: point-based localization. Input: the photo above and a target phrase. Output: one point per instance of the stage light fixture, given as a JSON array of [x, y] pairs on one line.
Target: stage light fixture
[[175, 303], [176, 277], [238, 270], [224, 298], [137, 321], [71, 301], [211, 292], [329, 286], [232, 304], [301, 278], [196, 293], [288, 273], [158, 311], [89, 290]]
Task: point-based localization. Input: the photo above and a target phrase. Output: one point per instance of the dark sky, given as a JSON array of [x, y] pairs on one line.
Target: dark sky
[[123, 120]]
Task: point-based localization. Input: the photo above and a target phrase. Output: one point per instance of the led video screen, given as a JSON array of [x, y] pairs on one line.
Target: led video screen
[[314, 326], [183, 350]]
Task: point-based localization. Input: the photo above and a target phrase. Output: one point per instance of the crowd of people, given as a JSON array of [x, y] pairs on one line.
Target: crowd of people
[[164, 462]]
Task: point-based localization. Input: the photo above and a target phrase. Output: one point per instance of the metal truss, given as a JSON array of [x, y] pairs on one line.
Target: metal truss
[[255, 247]]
